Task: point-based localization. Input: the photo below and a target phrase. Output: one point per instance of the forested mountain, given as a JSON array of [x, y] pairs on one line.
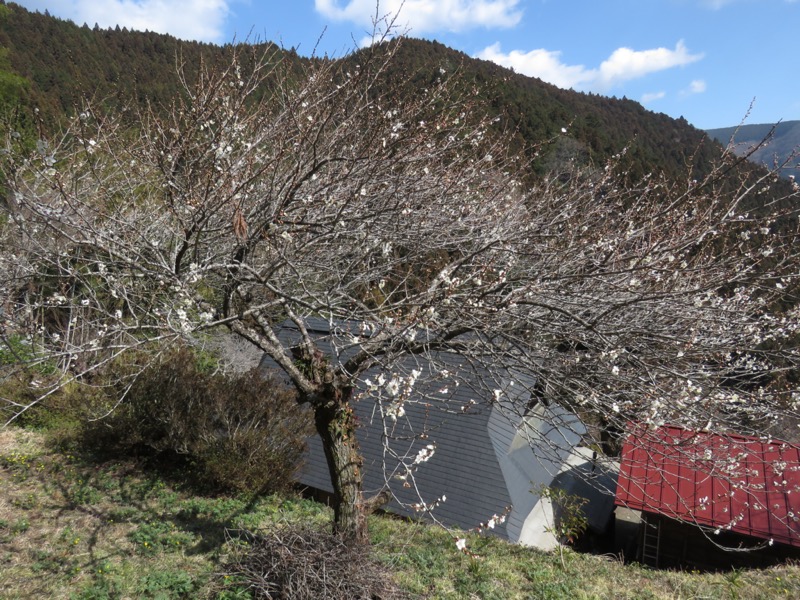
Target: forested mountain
[[598, 127], [54, 64], [766, 144]]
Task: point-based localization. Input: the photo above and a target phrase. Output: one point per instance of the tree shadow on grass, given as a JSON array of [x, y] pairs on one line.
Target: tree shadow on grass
[[93, 519]]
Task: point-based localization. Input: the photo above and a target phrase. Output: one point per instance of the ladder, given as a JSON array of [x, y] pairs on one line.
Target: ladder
[[651, 541]]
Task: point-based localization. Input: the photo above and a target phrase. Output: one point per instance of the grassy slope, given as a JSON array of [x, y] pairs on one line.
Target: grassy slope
[[71, 527]]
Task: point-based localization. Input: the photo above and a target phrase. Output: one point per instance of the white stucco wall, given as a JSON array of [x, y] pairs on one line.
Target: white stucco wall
[[531, 452]]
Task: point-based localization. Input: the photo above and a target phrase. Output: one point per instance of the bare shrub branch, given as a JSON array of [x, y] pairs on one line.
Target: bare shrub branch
[[304, 563]]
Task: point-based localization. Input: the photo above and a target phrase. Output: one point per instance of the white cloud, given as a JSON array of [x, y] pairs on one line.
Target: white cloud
[[544, 64], [623, 65], [716, 4], [652, 97], [185, 19], [425, 16], [697, 86]]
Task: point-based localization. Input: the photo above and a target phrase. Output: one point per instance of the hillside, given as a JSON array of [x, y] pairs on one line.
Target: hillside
[[598, 127], [54, 65], [769, 144], [74, 526]]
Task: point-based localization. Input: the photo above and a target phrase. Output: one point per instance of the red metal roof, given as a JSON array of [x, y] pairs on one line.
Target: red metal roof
[[742, 484]]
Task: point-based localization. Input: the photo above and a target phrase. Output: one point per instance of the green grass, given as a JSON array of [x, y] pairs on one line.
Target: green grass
[[75, 528]]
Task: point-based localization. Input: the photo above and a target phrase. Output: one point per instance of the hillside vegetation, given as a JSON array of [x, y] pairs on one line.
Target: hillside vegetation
[[54, 65], [765, 144]]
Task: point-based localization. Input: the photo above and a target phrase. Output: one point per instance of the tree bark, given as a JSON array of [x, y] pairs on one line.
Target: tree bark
[[336, 426]]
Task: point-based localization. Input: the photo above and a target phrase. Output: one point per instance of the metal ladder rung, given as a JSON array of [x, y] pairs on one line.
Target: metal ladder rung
[[651, 542]]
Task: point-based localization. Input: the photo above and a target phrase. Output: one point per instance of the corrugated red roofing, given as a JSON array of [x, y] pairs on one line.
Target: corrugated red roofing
[[742, 484]]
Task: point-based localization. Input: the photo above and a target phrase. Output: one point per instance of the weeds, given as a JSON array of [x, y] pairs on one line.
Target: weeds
[[165, 585], [20, 465], [20, 526], [100, 588], [152, 537], [145, 537]]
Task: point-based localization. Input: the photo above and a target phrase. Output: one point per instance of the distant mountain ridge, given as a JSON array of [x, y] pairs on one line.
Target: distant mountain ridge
[[54, 65], [780, 143]]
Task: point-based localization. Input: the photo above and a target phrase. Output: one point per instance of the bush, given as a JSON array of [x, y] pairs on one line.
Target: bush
[[241, 432], [303, 563], [21, 376]]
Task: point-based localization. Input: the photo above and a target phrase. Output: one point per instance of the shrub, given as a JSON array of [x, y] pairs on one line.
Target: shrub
[[243, 432], [569, 516], [15, 349], [302, 563], [21, 376]]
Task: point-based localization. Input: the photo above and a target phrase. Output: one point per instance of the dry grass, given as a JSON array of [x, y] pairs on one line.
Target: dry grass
[[74, 528], [426, 565]]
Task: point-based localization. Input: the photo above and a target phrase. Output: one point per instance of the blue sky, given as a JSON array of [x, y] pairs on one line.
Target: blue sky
[[705, 60]]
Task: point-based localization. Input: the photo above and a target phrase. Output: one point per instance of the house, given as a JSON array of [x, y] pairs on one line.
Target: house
[[696, 496], [492, 449]]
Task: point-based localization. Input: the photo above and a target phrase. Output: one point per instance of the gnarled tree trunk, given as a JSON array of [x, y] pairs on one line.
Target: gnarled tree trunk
[[336, 425]]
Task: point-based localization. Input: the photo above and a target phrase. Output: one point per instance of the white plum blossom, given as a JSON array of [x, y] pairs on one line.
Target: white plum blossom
[[396, 411], [393, 387], [425, 454], [495, 520]]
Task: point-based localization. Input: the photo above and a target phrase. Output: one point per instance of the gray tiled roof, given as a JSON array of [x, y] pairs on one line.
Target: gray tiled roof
[[472, 438]]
